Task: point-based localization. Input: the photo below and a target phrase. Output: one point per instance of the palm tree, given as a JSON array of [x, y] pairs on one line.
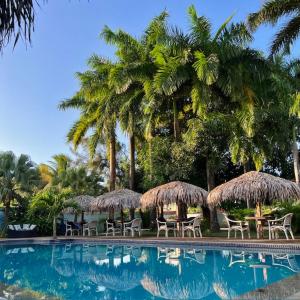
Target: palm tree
[[270, 13], [16, 20], [52, 201], [131, 75], [18, 177], [98, 104]]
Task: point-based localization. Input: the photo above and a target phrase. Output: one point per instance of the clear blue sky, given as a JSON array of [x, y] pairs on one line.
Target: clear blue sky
[[34, 79]]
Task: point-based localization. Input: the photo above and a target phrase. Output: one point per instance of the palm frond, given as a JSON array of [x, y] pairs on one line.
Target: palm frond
[[271, 11], [286, 35]]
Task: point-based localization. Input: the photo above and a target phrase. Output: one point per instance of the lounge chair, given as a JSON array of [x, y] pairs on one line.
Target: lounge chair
[[21, 231], [133, 226], [192, 226], [282, 224], [163, 225], [233, 225]]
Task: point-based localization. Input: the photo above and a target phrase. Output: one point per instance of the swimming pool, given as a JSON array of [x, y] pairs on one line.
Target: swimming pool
[[94, 271]]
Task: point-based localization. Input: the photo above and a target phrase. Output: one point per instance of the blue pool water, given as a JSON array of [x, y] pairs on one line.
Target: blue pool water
[[76, 271]]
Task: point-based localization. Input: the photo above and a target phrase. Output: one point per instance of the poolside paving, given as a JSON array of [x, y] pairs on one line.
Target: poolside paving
[[209, 242], [288, 289]]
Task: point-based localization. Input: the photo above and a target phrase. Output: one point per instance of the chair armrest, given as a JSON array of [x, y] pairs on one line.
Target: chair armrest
[[161, 222], [126, 224], [275, 222], [187, 223], [235, 222]]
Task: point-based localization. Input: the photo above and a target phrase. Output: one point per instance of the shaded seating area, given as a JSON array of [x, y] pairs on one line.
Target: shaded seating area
[[255, 189], [21, 230], [119, 200], [183, 195]]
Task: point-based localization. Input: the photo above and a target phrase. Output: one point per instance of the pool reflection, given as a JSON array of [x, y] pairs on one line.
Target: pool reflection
[[93, 271]]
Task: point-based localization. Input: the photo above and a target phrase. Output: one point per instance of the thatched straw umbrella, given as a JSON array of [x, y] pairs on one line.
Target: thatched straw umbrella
[[254, 187], [177, 192], [84, 202], [118, 199]]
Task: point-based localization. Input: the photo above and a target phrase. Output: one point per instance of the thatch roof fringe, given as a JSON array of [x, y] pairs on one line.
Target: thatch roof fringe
[[84, 202], [174, 192], [118, 199], [254, 187]]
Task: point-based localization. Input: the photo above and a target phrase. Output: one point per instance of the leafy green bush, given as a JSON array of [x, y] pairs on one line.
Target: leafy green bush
[[240, 214], [46, 206]]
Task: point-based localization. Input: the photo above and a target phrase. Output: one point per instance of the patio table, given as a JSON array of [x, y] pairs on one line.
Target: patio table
[[178, 224], [259, 225]]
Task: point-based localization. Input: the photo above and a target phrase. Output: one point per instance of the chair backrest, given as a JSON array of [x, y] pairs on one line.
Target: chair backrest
[[227, 220], [68, 226], [92, 224], [109, 224], [288, 219], [160, 223], [136, 223], [196, 221]]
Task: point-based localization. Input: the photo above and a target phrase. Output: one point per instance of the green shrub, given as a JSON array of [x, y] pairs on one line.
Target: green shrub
[[241, 213]]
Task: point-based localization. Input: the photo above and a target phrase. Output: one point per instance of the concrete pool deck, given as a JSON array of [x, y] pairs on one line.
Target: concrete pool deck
[[207, 242]]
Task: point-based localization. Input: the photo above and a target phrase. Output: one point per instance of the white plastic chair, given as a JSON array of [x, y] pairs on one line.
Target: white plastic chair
[[71, 230], [236, 226], [133, 226], [192, 226], [89, 228], [110, 227], [166, 226], [283, 224]]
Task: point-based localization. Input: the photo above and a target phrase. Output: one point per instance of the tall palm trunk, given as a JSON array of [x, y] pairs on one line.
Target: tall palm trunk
[[132, 168], [150, 158], [176, 126], [54, 228], [295, 152], [132, 161], [210, 175], [6, 211], [112, 168]]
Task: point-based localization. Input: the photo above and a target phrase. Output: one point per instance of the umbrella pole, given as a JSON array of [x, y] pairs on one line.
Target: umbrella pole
[[161, 210], [111, 213], [82, 217], [122, 221], [75, 217], [258, 209]]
